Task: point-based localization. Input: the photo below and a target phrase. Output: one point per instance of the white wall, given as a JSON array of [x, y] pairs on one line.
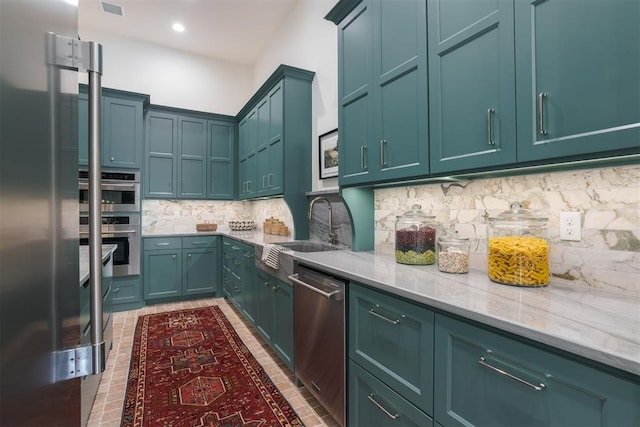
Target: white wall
[[172, 77], [306, 40]]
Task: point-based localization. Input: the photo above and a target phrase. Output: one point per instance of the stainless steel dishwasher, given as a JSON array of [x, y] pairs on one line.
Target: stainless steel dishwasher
[[319, 322]]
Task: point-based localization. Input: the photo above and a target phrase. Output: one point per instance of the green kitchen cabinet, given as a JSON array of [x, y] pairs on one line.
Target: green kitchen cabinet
[[200, 258], [275, 138], [161, 148], [220, 153], [486, 378], [373, 404], [247, 148], [122, 128], [577, 84], [382, 91], [249, 282], [472, 100], [192, 157], [275, 316], [188, 155], [180, 266], [393, 340], [127, 293], [232, 270]]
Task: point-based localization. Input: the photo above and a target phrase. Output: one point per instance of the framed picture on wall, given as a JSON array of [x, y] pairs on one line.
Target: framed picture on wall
[[328, 146]]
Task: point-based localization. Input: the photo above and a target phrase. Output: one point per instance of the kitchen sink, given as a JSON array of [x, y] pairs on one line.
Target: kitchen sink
[[309, 246]]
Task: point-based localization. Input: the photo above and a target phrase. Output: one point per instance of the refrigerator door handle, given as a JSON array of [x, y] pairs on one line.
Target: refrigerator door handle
[[73, 54]]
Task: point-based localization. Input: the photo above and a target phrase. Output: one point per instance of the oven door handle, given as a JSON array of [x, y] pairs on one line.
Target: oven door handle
[[328, 295], [84, 233]]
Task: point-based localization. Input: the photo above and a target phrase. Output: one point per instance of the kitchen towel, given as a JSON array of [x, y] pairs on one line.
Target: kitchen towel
[[271, 255]]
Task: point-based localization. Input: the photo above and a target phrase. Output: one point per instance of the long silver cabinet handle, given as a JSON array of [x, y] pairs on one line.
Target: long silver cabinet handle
[[162, 244], [113, 232], [372, 399], [328, 295], [363, 152], [490, 140], [483, 362], [383, 143], [386, 319], [541, 97]]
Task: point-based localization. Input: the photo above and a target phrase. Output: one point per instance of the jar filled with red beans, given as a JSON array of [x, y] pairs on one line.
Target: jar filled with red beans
[[415, 237]]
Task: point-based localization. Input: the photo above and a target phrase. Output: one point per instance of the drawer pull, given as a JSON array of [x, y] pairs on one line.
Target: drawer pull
[[235, 248], [199, 243], [535, 387], [389, 414], [162, 244], [386, 319]]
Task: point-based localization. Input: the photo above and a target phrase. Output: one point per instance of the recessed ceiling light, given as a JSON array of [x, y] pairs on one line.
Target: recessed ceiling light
[[178, 27]]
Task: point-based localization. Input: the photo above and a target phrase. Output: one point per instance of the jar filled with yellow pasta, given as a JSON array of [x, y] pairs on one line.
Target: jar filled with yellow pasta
[[518, 247]]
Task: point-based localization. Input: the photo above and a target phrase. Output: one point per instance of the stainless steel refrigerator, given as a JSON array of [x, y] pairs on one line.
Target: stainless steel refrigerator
[[41, 360]]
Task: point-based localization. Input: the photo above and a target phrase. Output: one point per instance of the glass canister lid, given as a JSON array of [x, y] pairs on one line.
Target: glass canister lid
[[517, 213], [415, 215]]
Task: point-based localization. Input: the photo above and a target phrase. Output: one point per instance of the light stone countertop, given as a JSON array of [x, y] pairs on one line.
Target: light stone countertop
[[599, 325], [84, 259]]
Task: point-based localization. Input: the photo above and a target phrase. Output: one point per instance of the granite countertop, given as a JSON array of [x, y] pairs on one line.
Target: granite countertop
[[84, 259], [599, 325]]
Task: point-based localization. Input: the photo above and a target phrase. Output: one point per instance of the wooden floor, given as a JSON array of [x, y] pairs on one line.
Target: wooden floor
[[107, 408]]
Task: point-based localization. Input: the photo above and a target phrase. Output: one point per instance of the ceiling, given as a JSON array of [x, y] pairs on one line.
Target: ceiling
[[231, 30]]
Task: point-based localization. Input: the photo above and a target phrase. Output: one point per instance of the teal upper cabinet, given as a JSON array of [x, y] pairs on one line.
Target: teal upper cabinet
[[248, 143], [192, 154], [188, 155], [382, 89], [122, 128], [270, 153], [161, 147], [577, 77], [471, 84], [221, 145]]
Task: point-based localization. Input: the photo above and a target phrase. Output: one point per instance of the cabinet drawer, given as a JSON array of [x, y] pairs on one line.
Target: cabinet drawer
[[486, 378], [199, 242], [371, 403], [155, 243], [393, 339], [126, 290]]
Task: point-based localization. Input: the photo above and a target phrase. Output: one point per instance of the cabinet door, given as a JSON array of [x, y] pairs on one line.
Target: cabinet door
[[275, 173], [263, 153], [248, 161], [355, 117], [83, 127], [250, 282], [192, 154], [161, 149], [487, 379], [401, 147], [200, 271], [373, 404], [162, 273], [393, 339], [220, 183], [282, 340], [577, 77], [122, 133], [471, 84], [266, 315]]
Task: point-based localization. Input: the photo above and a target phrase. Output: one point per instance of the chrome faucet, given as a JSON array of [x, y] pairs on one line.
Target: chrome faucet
[[332, 235]]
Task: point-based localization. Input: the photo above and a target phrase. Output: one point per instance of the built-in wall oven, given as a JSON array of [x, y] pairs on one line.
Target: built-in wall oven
[[120, 191], [122, 230]]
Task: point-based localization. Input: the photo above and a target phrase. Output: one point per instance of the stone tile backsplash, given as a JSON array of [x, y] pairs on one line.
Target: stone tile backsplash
[[608, 199]]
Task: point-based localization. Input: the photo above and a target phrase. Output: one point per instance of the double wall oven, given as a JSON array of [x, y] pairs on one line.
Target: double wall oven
[[120, 217]]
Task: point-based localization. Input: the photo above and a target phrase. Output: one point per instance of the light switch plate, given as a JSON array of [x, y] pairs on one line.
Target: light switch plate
[[570, 226]]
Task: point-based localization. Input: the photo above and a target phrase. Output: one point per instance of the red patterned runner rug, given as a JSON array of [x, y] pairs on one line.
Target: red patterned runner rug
[[190, 368]]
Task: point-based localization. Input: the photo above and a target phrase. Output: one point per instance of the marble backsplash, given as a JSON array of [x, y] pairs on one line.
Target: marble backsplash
[[608, 200]]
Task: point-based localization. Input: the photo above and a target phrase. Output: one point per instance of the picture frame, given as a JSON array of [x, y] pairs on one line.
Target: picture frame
[[328, 154]]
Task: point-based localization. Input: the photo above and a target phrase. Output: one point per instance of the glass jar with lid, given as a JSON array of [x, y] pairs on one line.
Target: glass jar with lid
[[518, 247], [453, 254], [415, 237]]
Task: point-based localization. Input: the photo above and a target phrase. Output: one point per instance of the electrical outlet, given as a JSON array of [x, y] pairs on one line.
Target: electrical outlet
[[570, 227]]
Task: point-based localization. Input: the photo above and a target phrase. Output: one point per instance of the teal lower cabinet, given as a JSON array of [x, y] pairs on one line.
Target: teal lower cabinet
[[127, 293], [232, 283], [372, 403], [249, 283], [485, 378], [275, 315], [180, 266], [393, 340]]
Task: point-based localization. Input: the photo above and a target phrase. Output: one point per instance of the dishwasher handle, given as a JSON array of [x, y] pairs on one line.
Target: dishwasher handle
[[329, 295]]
